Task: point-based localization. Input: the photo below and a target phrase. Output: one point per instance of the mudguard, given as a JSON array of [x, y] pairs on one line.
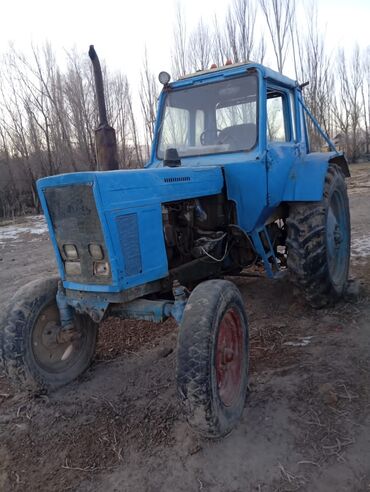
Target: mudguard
[[307, 176]]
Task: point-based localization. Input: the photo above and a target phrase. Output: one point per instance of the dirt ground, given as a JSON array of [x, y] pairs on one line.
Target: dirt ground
[[306, 425]]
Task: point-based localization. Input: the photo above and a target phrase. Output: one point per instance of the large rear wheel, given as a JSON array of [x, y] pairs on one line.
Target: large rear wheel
[[319, 237], [212, 358], [33, 350]]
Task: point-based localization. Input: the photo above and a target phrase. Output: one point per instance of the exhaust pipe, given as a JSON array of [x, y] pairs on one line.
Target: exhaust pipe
[[105, 135]]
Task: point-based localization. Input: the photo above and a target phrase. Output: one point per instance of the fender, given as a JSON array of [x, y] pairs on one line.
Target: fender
[[307, 176]]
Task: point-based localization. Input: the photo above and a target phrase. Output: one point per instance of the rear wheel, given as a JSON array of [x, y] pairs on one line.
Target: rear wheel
[[34, 352], [319, 242], [212, 358]]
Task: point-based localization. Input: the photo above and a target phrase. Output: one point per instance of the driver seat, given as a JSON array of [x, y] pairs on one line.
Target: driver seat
[[239, 137]]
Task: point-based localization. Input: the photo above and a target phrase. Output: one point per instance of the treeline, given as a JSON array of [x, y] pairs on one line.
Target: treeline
[[48, 113], [47, 121]]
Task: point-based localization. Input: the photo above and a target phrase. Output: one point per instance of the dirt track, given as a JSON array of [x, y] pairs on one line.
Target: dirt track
[[306, 425]]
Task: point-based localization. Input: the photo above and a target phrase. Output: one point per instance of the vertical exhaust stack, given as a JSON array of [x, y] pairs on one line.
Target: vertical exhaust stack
[[105, 135]]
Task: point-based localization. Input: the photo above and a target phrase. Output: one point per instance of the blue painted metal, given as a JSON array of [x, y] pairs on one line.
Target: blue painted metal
[[144, 309], [306, 178], [263, 246], [129, 202], [128, 231], [236, 70], [181, 295], [337, 238], [66, 313], [94, 307]]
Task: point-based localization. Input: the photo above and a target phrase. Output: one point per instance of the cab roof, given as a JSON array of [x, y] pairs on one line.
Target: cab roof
[[229, 71]]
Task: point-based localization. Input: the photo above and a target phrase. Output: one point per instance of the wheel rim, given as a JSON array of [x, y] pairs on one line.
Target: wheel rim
[[47, 349], [229, 357], [337, 238]]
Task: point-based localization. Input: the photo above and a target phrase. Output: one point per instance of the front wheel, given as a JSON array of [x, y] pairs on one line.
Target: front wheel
[[212, 358], [319, 237], [32, 351]]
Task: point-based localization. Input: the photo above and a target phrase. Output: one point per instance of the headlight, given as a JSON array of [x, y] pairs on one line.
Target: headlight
[[70, 250], [101, 268], [164, 78], [96, 251], [72, 267]]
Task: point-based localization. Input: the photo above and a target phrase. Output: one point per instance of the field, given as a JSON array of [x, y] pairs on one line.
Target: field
[[306, 425]]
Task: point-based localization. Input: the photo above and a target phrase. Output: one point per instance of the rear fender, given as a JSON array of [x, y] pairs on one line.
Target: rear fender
[[307, 177]]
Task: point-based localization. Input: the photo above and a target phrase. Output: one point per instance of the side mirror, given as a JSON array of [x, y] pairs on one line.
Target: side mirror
[[171, 158]]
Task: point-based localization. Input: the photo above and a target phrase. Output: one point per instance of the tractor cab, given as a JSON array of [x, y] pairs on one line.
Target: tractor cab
[[237, 109], [210, 119]]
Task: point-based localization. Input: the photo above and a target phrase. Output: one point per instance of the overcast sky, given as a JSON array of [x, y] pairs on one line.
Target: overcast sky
[[120, 29]]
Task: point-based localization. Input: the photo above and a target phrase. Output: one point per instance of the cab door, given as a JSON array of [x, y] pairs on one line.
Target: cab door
[[281, 141]]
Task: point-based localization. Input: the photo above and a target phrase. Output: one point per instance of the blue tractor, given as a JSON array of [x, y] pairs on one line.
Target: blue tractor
[[231, 183]]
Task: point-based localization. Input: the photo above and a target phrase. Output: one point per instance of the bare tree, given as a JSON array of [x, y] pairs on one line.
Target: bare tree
[[236, 39], [15, 124], [365, 95], [347, 107], [148, 98], [232, 36], [80, 106], [259, 51], [47, 117], [312, 64], [199, 49], [219, 49], [179, 51], [279, 15], [245, 15]]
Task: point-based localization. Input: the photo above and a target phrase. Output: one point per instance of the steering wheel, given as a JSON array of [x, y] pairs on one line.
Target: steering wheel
[[202, 137]]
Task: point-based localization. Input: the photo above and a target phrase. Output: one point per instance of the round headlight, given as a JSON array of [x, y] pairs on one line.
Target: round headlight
[[164, 78]]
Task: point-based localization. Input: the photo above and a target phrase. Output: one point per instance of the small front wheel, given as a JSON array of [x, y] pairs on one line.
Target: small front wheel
[[34, 352], [212, 358]]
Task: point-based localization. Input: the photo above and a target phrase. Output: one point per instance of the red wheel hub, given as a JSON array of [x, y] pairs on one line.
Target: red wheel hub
[[229, 356]]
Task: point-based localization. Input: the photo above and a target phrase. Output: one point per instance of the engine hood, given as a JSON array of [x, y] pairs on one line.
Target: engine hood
[[128, 188]]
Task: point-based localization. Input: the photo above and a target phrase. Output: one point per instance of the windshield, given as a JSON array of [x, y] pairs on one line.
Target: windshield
[[214, 118]]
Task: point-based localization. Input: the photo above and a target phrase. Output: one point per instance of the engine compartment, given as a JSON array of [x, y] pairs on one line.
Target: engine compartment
[[194, 228], [202, 228], [206, 229]]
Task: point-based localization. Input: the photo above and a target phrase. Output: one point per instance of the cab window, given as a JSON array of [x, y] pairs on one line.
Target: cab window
[[278, 128], [210, 118], [176, 127]]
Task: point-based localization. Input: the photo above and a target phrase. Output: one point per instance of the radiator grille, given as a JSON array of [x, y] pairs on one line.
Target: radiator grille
[[128, 231], [176, 179], [75, 221]]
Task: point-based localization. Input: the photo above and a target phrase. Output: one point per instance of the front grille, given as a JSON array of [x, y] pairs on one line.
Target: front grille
[[75, 221], [128, 232]]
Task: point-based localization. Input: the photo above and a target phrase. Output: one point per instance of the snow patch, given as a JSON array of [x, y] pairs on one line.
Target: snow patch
[[360, 248], [35, 225], [302, 342]]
